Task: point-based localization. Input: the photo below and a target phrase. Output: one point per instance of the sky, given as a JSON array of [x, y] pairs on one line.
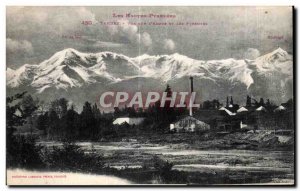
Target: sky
[[34, 34]]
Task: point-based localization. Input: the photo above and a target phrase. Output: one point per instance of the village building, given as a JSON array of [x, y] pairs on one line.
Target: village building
[[128, 120], [225, 111], [242, 109], [279, 108], [189, 124], [261, 108]]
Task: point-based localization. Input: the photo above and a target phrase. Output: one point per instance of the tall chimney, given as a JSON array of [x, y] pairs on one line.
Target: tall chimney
[[192, 90]]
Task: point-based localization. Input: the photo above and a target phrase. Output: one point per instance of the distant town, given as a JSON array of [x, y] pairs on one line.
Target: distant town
[[59, 120]]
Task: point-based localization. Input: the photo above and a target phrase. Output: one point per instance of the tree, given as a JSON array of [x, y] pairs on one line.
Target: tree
[[98, 118], [215, 104], [227, 102], [268, 102], [60, 106], [53, 130], [14, 119], [261, 102], [69, 124], [289, 104], [28, 107], [63, 103], [88, 126], [42, 122], [117, 112], [206, 104], [96, 111], [21, 151], [248, 102], [256, 104], [131, 111], [19, 110], [231, 100]]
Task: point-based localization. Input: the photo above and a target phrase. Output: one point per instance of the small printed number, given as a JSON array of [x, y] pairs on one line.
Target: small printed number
[[87, 22]]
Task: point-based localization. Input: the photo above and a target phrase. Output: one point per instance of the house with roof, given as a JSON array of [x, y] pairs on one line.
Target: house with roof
[[226, 111], [242, 109], [128, 120], [279, 108], [261, 108], [189, 124]]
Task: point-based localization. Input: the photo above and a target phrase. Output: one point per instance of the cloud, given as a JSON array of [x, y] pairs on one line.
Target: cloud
[[15, 46], [146, 39], [65, 21], [103, 44], [96, 43], [22, 14], [44, 20], [85, 14], [169, 44], [251, 53], [124, 28], [234, 31], [127, 33]]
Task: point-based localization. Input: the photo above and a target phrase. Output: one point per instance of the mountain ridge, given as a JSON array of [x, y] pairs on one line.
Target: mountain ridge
[[69, 69]]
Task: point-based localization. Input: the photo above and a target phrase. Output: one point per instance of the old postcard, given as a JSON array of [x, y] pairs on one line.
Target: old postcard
[[150, 96]]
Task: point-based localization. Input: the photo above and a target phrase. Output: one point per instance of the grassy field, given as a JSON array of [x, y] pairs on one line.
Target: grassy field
[[225, 162]]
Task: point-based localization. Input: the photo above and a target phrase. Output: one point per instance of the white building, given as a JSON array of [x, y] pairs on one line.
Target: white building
[[226, 111], [189, 124], [128, 120], [280, 108], [242, 109], [261, 108]]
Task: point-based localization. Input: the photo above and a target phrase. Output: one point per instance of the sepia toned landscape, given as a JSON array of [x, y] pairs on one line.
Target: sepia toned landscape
[[89, 109]]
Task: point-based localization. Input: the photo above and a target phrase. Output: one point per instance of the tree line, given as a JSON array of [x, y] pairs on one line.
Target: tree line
[[59, 120], [63, 122]]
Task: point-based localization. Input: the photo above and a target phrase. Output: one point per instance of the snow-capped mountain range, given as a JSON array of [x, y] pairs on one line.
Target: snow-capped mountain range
[[70, 69]]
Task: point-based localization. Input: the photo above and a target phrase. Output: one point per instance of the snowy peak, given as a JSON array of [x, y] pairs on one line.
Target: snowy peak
[[70, 68], [65, 57], [21, 76], [276, 61], [278, 54], [280, 51], [10, 73]]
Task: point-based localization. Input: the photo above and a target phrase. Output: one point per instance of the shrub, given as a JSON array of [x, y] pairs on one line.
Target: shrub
[[71, 157], [164, 168], [22, 152], [162, 165]]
